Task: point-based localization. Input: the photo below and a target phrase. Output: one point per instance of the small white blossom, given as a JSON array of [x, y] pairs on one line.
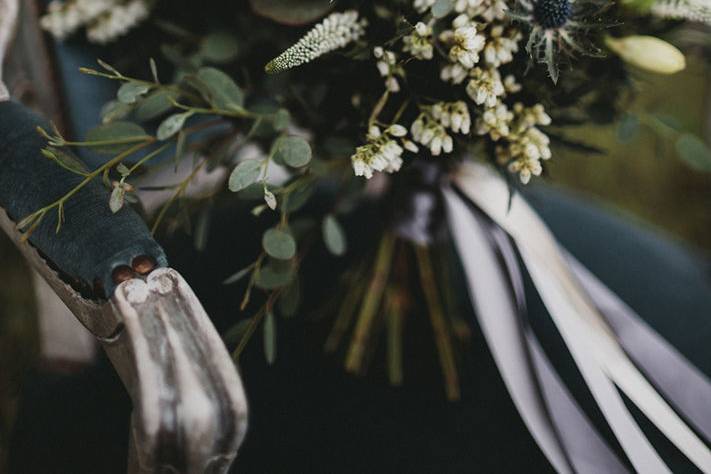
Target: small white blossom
[[495, 122], [485, 86], [419, 42], [523, 146], [453, 115], [501, 45], [335, 31], [105, 20], [454, 73], [388, 68], [487, 10], [382, 152], [429, 132], [423, 5], [465, 43]]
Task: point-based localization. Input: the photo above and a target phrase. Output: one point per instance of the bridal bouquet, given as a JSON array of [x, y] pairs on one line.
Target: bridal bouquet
[[349, 103]]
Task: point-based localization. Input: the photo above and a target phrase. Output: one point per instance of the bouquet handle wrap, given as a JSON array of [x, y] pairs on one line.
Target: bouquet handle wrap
[[92, 240], [595, 347]]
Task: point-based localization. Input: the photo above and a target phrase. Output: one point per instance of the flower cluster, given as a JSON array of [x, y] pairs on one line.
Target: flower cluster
[[388, 68], [105, 20], [419, 43], [520, 143], [382, 152], [335, 31]]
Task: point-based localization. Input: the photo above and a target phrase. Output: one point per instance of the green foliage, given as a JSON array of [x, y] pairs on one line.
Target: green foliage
[[115, 137], [130, 91], [219, 47], [293, 151], [219, 90], [245, 174], [442, 8], [292, 12], [172, 125], [333, 236], [279, 244]]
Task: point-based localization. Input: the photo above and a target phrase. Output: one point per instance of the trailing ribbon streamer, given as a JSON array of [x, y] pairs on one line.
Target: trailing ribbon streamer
[[596, 349], [567, 438]]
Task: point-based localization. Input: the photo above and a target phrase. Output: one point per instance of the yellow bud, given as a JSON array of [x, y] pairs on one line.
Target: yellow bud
[[649, 53]]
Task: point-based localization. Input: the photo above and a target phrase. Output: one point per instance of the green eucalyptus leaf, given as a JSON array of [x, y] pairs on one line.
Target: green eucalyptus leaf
[[238, 275], [333, 236], [272, 277], [694, 152], [293, 151], [116, 201], [244, 174], [292, 12], [65, 160], [279, 244], [442, 8], [114, 110], [219, 47], [220, 90], [172, 125], [128, 133], [130, 91], [269, 335], [281, 120], [270, 199], [154, 105]]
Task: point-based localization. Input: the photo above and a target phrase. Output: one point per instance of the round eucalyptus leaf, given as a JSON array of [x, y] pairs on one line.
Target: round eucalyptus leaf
[[271, 277], [279, 244], [442, 8], [130, 91], [245, 174], [219, 47], [293, 151]]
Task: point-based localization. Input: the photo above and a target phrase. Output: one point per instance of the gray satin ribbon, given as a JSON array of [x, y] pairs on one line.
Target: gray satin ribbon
[[682, 384], [556, 422]]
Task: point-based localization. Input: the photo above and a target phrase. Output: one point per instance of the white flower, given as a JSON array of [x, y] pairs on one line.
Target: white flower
[[454, 73], [465, 42], [382, 152], [495, 121], [423, 5], [488, 10], [430, 133], [485, 86], [524, 145], [335, 31], [419, 42], [453, 115], [388, 68], [105, 20], [117, 22], [500, 48]]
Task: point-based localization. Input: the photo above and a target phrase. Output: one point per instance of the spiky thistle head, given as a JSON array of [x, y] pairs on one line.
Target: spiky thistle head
[[334, 32]]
